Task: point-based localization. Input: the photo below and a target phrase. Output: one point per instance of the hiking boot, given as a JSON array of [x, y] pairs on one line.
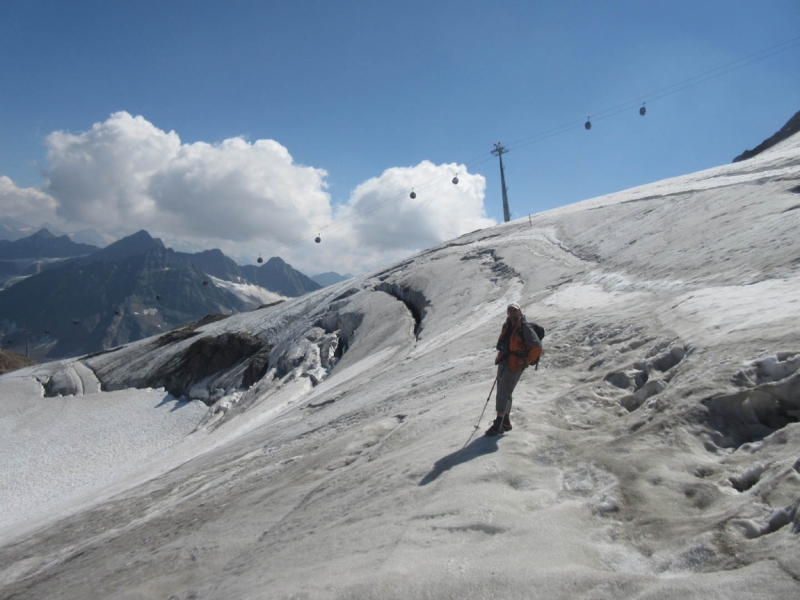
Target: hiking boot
[[507, 424], [496, 428]]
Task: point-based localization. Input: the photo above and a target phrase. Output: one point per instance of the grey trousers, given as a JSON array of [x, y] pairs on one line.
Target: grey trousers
[[506, 382]]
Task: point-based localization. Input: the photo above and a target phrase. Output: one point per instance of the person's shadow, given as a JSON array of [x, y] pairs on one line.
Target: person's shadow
[[479, 447]]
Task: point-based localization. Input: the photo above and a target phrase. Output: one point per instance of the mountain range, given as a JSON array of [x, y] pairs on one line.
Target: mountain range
[[13, 229], [43, 244], [63, 298]]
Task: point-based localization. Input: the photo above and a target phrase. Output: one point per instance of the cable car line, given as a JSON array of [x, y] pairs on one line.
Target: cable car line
[[674, 88], [566, 127], [357, 214]]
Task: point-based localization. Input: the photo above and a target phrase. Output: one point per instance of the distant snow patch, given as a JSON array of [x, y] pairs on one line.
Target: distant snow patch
[[249, 292]]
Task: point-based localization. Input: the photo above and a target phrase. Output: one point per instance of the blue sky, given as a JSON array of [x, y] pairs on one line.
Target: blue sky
[[358, 88]]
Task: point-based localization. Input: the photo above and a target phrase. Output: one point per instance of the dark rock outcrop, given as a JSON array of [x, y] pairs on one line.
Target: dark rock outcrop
[[792, 126], [257, 368], [206, 357]]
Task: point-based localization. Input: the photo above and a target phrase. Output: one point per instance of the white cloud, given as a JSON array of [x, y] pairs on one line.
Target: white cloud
[[125, 173], [239, 191], [100, 177], [19, 202], [247, 198], [381, 223], [382, 215]]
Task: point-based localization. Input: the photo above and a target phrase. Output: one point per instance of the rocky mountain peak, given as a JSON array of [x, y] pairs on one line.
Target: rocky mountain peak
[[43, 234], [134, 244], [791, 127]]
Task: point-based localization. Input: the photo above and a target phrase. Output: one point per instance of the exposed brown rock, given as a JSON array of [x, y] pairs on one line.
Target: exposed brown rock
[[11, 361]]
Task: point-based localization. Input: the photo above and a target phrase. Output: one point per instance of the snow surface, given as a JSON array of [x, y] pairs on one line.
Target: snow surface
[[655, 453], [63, 449], [249, 292]]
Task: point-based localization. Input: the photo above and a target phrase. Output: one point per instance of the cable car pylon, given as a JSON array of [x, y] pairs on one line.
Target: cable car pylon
[[499, 150]]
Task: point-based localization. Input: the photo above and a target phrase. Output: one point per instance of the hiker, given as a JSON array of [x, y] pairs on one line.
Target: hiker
[[518, 346]]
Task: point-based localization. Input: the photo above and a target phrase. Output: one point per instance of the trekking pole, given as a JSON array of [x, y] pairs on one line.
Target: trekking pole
[[487, 402], [499, 372], [483, 411]]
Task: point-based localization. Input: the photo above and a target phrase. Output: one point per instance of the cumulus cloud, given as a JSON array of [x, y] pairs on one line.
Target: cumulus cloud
[[380, 223], [100, 177], [237, 190], [19, 202], [125, 173], [247, 198], [382, 215]]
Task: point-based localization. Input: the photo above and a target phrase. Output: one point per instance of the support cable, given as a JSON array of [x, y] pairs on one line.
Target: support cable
[[576, 124]]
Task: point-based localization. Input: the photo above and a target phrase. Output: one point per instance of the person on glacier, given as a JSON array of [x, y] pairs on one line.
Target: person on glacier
[[518, 346]]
